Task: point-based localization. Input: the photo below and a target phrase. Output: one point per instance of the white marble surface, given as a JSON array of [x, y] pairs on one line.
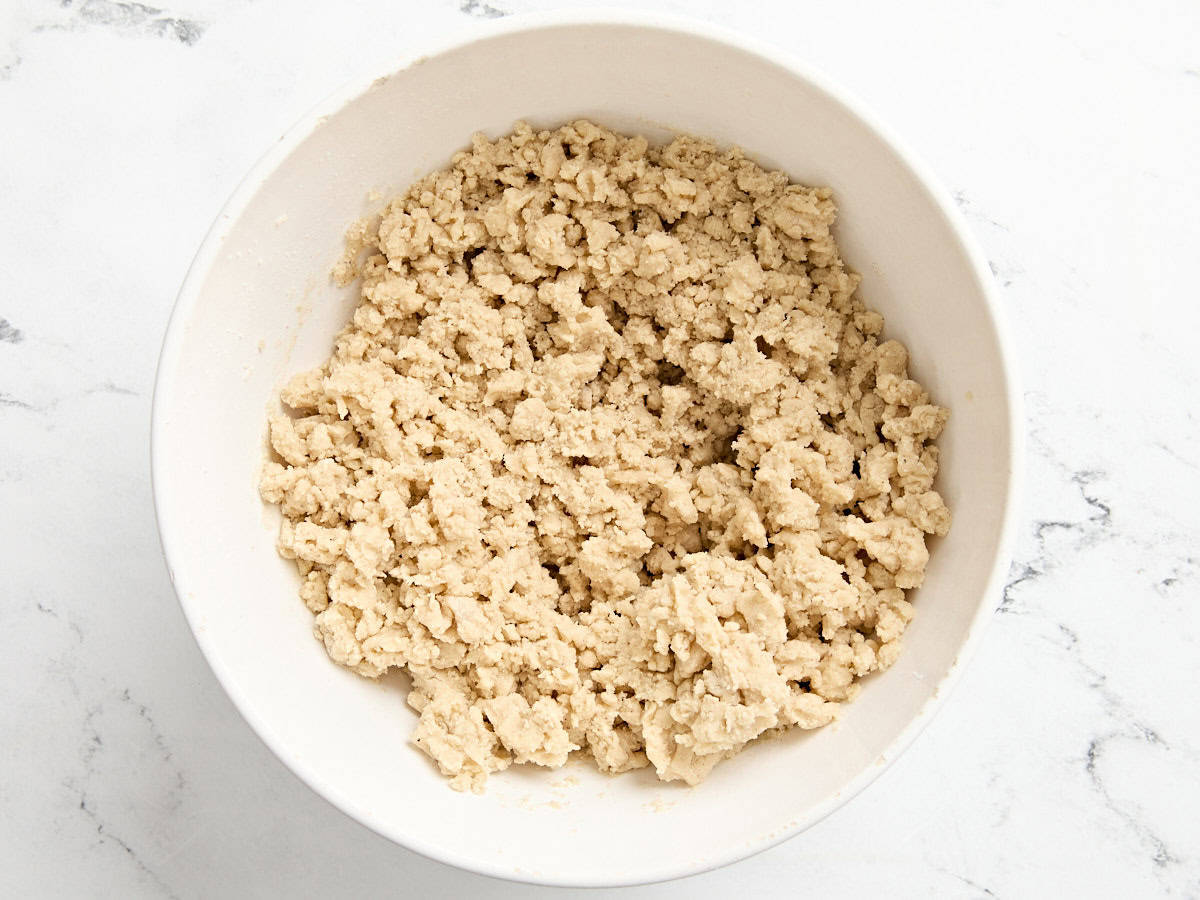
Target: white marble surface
[[1066, 763]]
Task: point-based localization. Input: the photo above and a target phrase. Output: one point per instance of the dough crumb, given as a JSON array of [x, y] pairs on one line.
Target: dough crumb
[[611, 458]]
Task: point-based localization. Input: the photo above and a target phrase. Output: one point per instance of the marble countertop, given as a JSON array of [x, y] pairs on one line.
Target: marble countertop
[[1068, 759]]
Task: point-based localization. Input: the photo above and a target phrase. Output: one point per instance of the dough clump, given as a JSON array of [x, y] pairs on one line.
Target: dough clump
[[611, 458]]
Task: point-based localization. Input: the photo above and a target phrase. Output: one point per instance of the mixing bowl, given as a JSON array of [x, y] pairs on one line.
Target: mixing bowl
[[258, 305]]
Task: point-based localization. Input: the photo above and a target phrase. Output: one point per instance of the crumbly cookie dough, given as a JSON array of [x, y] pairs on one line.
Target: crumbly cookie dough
[[610, 459]]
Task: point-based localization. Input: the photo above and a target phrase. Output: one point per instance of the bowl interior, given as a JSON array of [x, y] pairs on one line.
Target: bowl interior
[[259, 306]]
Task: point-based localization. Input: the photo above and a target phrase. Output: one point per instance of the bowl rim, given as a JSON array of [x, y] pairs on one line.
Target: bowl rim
[[171, 533]]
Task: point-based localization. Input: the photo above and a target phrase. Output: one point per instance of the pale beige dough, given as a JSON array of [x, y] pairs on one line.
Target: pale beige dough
[[611, 458]]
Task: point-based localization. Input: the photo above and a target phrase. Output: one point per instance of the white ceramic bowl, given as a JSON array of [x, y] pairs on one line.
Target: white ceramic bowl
[[258, 305]]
